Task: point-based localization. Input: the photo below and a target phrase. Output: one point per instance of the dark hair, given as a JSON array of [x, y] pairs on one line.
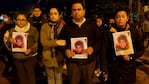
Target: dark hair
[[8, 14], [99, 16], [37, 6], [58, 9], [80, 43], [78, 1], [20, 37], [21, 13], [122, 37], [125, 9]]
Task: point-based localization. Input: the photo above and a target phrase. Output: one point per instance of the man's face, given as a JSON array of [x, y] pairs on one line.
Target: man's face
[[54, 15], [78, 12], [37, 12]]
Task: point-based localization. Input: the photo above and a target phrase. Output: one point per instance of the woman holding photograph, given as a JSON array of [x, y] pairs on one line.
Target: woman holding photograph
[[122, 68], [18, 43], [25, 61], [123, 43]]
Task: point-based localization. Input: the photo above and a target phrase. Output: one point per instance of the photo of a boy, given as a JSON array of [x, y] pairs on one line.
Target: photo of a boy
[[18, 43], [123, 43], [79, 47]]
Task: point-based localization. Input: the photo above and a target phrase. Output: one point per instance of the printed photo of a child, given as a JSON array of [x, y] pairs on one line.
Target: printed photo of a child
[[123, 43], [79, 46], [20, 42]]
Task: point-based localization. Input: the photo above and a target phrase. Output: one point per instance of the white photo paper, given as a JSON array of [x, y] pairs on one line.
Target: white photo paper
[[20, 42], [123, 43], [79, 45]]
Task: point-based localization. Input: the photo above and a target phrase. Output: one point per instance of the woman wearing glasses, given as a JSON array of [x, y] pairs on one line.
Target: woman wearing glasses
[[25, 60]]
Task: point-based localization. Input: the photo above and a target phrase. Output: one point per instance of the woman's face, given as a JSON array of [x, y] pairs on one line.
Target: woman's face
[[54, 15], [121, 19], [21, 20]]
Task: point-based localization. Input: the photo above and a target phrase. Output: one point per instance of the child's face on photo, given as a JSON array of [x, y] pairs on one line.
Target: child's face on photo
[[19, 42], [79, 49], [122, 43]]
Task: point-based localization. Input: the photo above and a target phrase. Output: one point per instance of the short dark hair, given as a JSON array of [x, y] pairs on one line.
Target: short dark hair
[[58, 9], [80, 43], [8, 14], [37, 6], [122, 37], [125, 9], [20, 37], [21, 13], [78, 1]]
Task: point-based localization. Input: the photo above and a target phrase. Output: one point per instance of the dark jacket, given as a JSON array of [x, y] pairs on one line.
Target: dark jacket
[[37, 21], [87, 29], [4, 51], [119, 69]]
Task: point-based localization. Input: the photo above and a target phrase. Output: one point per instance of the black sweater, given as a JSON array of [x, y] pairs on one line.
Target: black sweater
[[88, 30]]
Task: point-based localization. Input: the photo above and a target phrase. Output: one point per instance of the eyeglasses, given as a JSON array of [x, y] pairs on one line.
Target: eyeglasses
[[23, 20]]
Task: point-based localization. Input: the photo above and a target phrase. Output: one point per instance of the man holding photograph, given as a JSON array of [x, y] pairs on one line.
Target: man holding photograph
[[81, 70]]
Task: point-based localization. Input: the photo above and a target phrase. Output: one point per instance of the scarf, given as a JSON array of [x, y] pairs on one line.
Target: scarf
[[53, 36], [23, 29]]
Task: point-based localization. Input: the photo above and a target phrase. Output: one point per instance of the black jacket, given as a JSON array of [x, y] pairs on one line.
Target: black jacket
[[88, 30], [119, 69]]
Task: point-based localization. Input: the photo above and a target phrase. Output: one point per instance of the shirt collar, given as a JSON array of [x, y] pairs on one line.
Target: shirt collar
[[79, 23]]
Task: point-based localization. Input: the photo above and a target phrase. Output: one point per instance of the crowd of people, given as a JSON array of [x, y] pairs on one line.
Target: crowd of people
[[47, 41]]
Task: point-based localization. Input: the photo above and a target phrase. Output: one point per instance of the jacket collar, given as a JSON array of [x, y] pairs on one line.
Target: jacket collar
[[114, 29]]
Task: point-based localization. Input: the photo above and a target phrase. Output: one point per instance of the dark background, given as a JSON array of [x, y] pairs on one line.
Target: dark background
[[93, 7]]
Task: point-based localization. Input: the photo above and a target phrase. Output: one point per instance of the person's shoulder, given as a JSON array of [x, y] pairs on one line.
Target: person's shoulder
[[32, 28], [88, 21], [45, 24], [44, 18], [68, 25], [12, 29]]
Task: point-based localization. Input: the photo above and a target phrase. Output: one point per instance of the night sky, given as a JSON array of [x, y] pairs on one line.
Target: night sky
[[23, 5], [14, 5]]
